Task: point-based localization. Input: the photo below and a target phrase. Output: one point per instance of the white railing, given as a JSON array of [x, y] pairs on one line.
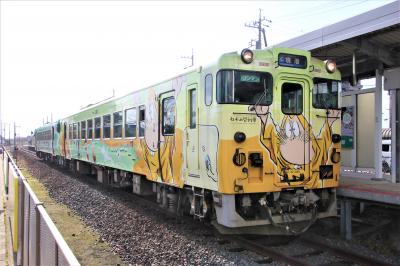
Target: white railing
[[36, 240]]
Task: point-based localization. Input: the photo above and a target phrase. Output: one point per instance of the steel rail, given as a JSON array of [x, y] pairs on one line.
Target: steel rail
[[266, 251], [341, 252]]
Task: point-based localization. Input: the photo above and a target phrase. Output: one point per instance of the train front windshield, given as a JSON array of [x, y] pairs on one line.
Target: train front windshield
[[326, 93], [244, 87]]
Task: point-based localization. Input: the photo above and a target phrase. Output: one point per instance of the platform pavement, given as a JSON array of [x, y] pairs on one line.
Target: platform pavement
[[2, 219], [371, 190], [6, 257]]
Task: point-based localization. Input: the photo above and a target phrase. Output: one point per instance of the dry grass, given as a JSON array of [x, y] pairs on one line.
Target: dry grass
[[85, 243]]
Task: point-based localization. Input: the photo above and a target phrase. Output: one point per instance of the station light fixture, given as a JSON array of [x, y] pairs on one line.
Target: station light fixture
[[330, 66], [247, 56]]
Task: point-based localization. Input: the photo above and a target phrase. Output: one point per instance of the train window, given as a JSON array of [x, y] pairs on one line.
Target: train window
[[326, 93], [168, 116], [292, 98], [75, 128], [117, 122], [244, 87], [142, 120], [192, 108], [97, 127], [208, 90], [385, 147], [106, 126], [83, 130], [70, 132], [90, 129], [130, 122]]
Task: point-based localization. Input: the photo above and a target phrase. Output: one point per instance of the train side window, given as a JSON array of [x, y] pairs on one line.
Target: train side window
[[385, 147], [70, 132], [142, 120], [117, 124], [292, 98], [130, 122], [97, 127], [168, 117], [83, 129], [106, 126], [90, 129], [192, 108], [75, 128], [208, 92]]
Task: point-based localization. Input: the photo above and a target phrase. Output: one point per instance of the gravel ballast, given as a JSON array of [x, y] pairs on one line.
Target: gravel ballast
[[140, 233]]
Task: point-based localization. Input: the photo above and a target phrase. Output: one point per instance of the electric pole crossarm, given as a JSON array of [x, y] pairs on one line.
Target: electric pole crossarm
[[259, 25]]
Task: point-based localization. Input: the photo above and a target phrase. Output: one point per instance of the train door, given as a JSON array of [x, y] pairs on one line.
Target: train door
[[65, 140], [52, 140], [192, 132], [166, 137], [295, 141]]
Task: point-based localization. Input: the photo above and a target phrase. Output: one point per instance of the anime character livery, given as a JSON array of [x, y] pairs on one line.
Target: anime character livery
[[251, 142]]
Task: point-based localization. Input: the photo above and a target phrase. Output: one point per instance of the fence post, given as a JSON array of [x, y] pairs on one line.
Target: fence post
[[37, 232], [21, 219]]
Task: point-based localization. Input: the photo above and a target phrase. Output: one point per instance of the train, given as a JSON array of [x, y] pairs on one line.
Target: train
[[250, 142]]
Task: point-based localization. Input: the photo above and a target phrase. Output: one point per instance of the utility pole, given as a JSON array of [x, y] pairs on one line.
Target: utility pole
[[189, 57], [259, 25], [15, 136]]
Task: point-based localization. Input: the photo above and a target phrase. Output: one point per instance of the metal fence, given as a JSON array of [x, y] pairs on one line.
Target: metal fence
[[36, 240]]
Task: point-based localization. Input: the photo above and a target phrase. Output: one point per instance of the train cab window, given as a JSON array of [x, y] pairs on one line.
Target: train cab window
[[244, 87], [208, 90], [292, 98], [97, 127], [142, 120], [192, 108], [117, 125], [106, 126], [83, 130], [90, 129], [326, 93], [168, 116], [75, 131], [130, 122]]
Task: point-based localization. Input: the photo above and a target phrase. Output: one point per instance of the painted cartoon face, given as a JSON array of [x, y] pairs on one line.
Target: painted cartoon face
[[293, 137]]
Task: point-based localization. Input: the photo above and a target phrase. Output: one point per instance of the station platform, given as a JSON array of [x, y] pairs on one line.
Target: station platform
[[2, 230], [369, 190], [363, 190], [5, 257]]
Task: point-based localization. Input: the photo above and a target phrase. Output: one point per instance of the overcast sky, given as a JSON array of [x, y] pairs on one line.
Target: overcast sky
[[58, 56]]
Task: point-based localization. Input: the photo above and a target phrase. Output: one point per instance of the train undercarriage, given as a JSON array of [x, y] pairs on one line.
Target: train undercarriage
[[288, 212]]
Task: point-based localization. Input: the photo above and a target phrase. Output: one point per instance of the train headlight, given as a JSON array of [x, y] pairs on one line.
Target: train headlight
[[330, 66], [247, 56], [335, 157], [239, 137], [336, 138]]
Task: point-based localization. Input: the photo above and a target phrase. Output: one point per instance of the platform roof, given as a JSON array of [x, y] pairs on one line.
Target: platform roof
[[374, 36]]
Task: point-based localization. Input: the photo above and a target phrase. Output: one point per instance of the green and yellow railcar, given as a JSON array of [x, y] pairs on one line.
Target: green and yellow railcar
[[251, 142]]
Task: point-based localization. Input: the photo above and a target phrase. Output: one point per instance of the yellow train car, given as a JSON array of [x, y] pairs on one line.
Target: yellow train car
[[251, 142]]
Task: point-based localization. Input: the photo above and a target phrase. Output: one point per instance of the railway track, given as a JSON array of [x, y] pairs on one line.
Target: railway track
[[272, 249], [313, 246]]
